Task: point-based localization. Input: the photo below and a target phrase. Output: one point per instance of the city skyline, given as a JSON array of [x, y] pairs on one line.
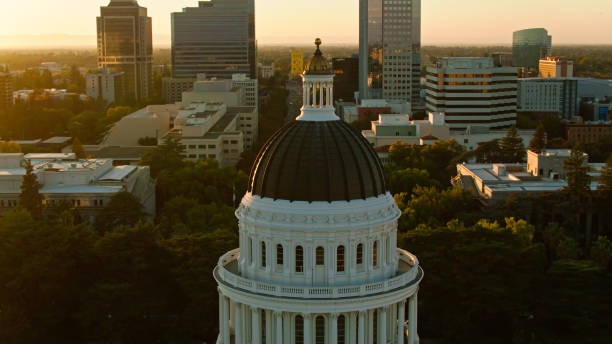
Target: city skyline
[[466, 23]]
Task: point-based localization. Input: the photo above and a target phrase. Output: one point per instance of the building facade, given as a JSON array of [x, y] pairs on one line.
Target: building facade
[[6, 90], [558, 95], [86, 184], [105, 84], [346, 77], [198, 46], [389, 50], [472, 91], [529, 46], [588, 132], [125, 44], [318, 261], [297, 63], [556, 67]]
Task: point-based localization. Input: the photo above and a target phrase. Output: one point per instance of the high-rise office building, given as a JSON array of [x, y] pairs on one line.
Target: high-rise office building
[[529, 46], [389, 50], [346, 77], [217, 38], [471, 91], [6, 89], [125, 44]]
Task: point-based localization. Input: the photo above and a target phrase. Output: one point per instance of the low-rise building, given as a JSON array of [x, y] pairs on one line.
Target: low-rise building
[[582, 131], [390, 128], [175, 89], [557, 95], [556, 67], [151, 121], [543, 172], [266, 71], [26, 96], [105, 84], [85, 184]]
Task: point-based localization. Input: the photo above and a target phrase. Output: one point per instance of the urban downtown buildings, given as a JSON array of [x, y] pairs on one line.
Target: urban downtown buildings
[[125, 44], [472, 91], [318, 261], [389, 50]]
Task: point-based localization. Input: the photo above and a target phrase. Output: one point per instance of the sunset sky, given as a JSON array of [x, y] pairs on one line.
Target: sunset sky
[[291, 21]]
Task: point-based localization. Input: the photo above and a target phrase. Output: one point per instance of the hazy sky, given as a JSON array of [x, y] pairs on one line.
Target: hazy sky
[[292, 21]]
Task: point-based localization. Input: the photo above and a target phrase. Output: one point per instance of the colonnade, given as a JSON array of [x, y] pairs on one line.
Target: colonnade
[[318, 94], [246, 324]]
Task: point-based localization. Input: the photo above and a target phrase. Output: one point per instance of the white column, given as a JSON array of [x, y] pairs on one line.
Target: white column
[[362, 325], [382, 325], [370, 324], [412, 319], [256, 327], [328, 88], [226, 318], [351, 335], [269, 327], [331, 95], [320, 94], [237, 323], [221, 317], [400, 322], [307, 329], [288, 321], [334, 328], [279, 327]]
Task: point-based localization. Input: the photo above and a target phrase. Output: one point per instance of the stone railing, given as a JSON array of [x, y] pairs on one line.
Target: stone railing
[[402, 279]]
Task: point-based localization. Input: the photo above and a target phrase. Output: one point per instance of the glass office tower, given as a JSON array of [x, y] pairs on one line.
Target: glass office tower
[[216, 38], [125, 44], [390, 43], [529, 46]]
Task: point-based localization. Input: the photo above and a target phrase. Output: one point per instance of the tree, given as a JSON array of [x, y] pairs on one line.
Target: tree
[[512, 147], [123, 209], [9, 147], [538, 142], [30, 197], [406, 180], [601, 251], [168, 155], [77, 148], [576, 171], [605, 180], [147, 141], [488, 152]]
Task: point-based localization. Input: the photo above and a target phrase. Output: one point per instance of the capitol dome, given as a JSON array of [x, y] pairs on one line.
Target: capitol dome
[[317, 161], [318, 261], [317, 64]]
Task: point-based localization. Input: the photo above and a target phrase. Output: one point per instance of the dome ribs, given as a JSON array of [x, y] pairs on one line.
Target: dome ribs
[[317, 161]]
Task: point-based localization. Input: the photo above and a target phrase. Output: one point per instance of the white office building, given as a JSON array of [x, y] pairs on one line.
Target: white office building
[[105, 84], [548, 95], [472, 91], [318, 260]]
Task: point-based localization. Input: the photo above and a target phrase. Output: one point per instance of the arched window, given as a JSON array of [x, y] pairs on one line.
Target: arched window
[[263, 254], [320, 330], [299, 259], [299, 330], [375, 254], [320, 256], [360, 254], [279, 254], [340, 259], [341, 329]]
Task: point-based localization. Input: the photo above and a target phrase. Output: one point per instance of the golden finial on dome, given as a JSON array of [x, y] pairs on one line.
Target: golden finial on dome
[[317, 42], [317, 64]]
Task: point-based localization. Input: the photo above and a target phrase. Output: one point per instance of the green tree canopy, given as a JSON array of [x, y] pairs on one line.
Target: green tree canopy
[[605, 180], [512, 147], [576, 171], [538, 142], [124, 209], [77, 148], [30, 197], [168, 155]]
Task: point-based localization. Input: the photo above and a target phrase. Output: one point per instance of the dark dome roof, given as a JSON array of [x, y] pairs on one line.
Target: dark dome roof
[[317, 64], [317, 161]]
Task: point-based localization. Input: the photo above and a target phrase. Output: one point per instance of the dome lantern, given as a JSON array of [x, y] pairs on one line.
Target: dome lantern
[[318, 84]]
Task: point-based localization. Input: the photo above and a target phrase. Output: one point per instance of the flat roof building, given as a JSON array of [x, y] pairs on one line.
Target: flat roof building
[[556, 67], [472, 91]]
